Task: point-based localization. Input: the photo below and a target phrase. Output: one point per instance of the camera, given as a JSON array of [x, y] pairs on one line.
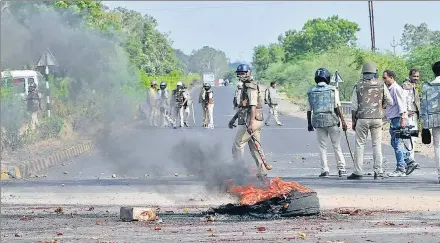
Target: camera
[[405, 132]]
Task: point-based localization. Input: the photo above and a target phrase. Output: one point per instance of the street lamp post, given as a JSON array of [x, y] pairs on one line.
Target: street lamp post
[[46, 60]]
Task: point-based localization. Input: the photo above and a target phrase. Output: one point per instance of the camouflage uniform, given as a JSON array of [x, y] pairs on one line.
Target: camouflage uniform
[[369, 98], [322, 102], [413, 105], [178, 109], [208, 108], [250, 96], [430, 114]]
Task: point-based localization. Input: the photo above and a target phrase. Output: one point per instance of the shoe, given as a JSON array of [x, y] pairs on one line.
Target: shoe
[[354, 177], [411, 167], [324, 174], [267, 124], [379, 175], [397, 173], [280, 124], [185, 124], [342, 173]]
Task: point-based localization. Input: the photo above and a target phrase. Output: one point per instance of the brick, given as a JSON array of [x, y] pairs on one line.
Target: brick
[[138, 214]]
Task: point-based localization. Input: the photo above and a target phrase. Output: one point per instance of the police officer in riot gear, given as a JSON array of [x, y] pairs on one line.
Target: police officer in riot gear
[[250, 119], [178, 104], [324, 113], [430, 113], [369, 98], [163, 103], [208, 106]]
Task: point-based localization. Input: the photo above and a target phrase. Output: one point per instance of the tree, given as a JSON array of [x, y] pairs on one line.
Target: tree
[[264, 56], [183, 60], [422, 58], [415, 36], [319, 35], [208, 59]]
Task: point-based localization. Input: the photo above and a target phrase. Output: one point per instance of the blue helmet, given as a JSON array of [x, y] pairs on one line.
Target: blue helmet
[[243, 68], [322, 75]]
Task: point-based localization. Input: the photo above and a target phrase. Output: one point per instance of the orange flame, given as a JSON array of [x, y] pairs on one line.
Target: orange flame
[[250, 195]]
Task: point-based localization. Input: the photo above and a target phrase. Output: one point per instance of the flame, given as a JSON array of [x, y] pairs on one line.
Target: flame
[[250, 195]]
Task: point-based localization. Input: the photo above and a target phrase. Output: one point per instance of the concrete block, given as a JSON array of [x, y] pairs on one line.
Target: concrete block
[[138, 214]]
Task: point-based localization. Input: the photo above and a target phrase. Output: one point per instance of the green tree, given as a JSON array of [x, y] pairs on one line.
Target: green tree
[[319, 35], [415, 36], [208, 59], [422, 58]]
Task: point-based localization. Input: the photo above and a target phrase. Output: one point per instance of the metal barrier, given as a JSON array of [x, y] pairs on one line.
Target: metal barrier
[[346, 108]]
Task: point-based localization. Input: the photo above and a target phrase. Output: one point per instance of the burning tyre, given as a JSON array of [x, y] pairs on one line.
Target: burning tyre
[[280, 198]]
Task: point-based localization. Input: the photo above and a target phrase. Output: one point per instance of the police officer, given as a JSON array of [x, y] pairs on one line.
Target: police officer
[[369, 98], [250, 119], [237, 95], [413, 108], [152, 100], [324, 113], [33, 104], [201, 98], [178, 103], [186, 105], [163, 104], [430, 111], [208, 105], [271, 99]]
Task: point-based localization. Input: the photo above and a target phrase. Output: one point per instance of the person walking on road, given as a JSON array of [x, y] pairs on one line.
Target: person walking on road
[[271, 98], [33, 104], [186, 105], [201, 97], [324, 112], [397, 113], [430, 112], [208, 106], [370, 96], [413, 108], [250, 119], [152, 103], [164, 104], [178, 102]]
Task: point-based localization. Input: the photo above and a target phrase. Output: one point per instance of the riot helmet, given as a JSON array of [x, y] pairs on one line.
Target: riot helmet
[[163, 85], [179, 85], [243, 72], [322, 75], [206, 86]]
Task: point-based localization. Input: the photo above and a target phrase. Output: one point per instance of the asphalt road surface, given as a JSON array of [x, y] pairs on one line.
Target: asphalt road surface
[[183, 170]]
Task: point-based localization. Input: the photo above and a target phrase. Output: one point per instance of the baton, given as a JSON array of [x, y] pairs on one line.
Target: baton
[[260, 151]]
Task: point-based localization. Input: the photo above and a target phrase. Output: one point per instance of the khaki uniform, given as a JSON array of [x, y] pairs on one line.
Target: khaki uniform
[[243, 137], [334, 132], [271, 97], [208, 108], [201, 97], [187, 108], [236, 101], [152, 103], [33, 105], [369, 114]]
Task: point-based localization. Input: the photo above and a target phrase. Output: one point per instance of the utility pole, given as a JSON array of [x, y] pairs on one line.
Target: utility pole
[[394, 44], [372, 32]]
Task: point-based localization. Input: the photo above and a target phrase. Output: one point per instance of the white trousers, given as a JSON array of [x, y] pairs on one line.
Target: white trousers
[[335, 137], [273, 110]]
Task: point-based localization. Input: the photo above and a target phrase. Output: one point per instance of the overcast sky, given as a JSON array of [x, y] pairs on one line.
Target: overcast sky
[[237, 27]]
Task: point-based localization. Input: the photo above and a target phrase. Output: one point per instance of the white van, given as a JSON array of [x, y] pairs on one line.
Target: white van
[[20, 80]]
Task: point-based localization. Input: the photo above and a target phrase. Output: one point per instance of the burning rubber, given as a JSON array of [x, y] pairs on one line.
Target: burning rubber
[[280, 198]]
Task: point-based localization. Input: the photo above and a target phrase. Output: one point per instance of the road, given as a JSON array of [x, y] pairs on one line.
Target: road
[[183, 170]]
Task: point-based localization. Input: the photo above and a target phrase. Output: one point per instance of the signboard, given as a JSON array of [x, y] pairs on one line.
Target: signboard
[[208, 77]]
